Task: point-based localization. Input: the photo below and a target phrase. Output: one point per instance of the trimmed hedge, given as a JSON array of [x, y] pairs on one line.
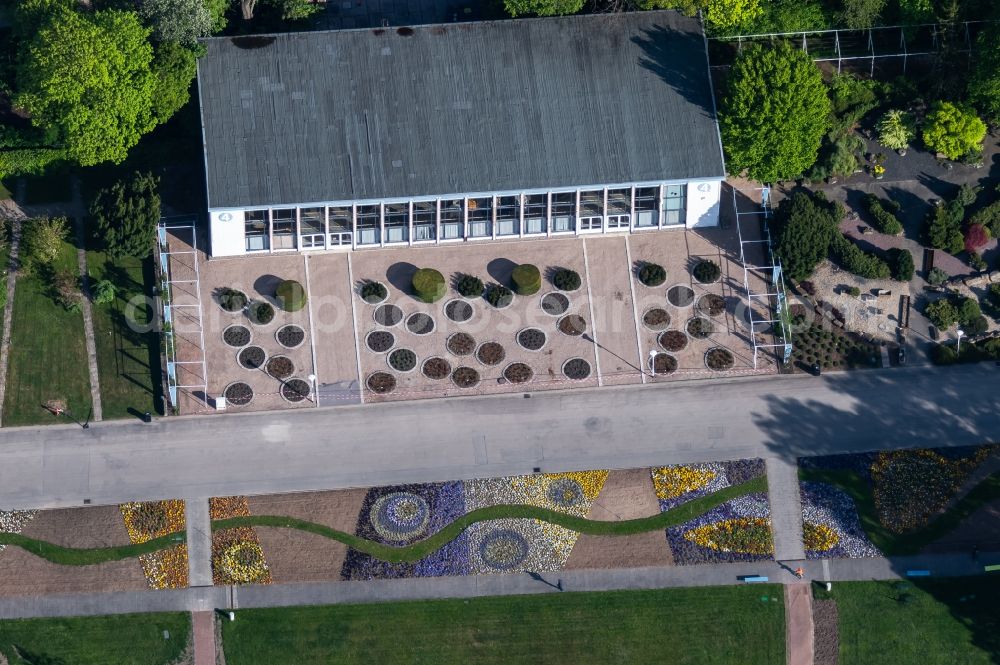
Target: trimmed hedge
[[856, 261], [652, 274], [900, 264], [883, 220], [291, 295], [527, 279], [429, 285]]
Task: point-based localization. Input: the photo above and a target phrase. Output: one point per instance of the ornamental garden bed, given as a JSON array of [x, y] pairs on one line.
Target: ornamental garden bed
[[656, 318], [465, 377], [707, 272], [555, 303], [260, 313], [295, 390], [833, 349], [500, 297], [680, 295], [663, 363], [420, 323], [436, 368], [490, 353], [231, 300], [711, 304], [237, 336], [700, 327], [719, 359], [290, 336], [373, 292], [280, 367], [518, 373], [402, 360], [576, 369], [381, 383], [531, 339], [380, 341], [672, 340], [251, 357], [388, 315], [238, 393], [573, 325], [461, 344], [458, 311]]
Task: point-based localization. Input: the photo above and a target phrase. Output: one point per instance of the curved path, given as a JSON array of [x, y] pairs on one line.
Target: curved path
[[459, 438]]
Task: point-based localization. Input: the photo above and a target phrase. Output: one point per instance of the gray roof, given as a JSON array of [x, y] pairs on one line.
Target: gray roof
[[457, 108]]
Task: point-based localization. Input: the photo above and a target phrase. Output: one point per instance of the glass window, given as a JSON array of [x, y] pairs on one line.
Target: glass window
[[647, 203], [536, 208], [312, 228], [508, 215], [255, 230], [481, 217], [340, 226], [283, 228], [397, 222], [563, 212], [424, 220], [368, 225], [592, 203], [452, 219], [673, 205], [619, 201]]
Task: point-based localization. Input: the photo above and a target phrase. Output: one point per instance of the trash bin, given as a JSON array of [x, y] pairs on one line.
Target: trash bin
[[147, 417]]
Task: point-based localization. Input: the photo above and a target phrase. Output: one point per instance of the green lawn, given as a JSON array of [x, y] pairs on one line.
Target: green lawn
[[699, 626], [129, 639], [946, 622], [48, 355], [128, 360]]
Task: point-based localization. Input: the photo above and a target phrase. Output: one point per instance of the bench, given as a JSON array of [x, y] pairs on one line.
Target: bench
[[918, 573], [753, 579]]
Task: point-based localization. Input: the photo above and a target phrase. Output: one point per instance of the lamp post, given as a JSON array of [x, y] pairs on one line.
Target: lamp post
[[312, 384], [652, 362], [958, 349]]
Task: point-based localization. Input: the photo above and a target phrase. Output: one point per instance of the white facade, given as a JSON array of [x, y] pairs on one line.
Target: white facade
[[465, 218]]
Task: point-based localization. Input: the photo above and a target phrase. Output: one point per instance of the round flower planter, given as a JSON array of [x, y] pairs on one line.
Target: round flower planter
[[662, 364], [576, 369], [237, 336], [554, 303], [699, 327], [531, 339], [420, 323], [502, 302], [290, 336], [503, 549], [400, 516], [490, 353], [260, 313], [295, 390], [388, 315], [711, 304], [380, 341], [672, 340], [279, 367], [458, 311], [572, 325], [565, 493], [656, 319], [381, 383], [238, 393], [460, 344], [373, 299], [402, 360], [706, 272], [251, 357], [465, 377], [436, 368], [232, 300], [518, 373], [680, 296], [719, 359]]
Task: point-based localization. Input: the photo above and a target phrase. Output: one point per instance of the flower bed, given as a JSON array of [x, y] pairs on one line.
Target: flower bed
[[388, 315], [231, 300], [290, 336], [573, 325], [13, 521], [237, 556], [830, 524], [738, 530], [381, 383], [458, 311], [420, 323], [260, 313], [719, 359], [672, 340], [380, 341], [236, 335], [144, 521], [295, 390], [576, 369], [707, 271], [238, 393], [490, 353], [402, 360], [680, 483], [461, 344], [663, 363], [251, 357], [554, 303], [531, 339], [465, 377], [680, 296], [699, 327], [656, 318], [711, 304], [518, 373], [280, 367], [436, 368]]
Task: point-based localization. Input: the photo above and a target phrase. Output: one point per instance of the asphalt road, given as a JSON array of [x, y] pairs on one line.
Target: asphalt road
[[447, 439]]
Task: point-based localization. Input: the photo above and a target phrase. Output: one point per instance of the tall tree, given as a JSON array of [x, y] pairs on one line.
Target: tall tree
[[984, 84], [174, 67], [127, 214], [542, 7], [952, 130], [731, 16], [774, 113], [860, 14], [181, 21], [86, 76]]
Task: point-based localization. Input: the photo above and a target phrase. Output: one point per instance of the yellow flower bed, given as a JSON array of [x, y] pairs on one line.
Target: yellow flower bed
[[674, 481], [238, 558], [146, 520], [819, 537], [743, 535]]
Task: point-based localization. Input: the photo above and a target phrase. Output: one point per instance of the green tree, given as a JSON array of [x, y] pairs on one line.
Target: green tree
[[126, 214], [42, 240], [181, 21], [953, 130], [730, 16], [942, 313], [104, 292], [86, 76], [944, 231], [774, 113], [895, 130], [806, 228], [861, 14], [901, 263], [217, 11], [790, 16], [175, 67], [542, 7], [915, 12], [984, 83]]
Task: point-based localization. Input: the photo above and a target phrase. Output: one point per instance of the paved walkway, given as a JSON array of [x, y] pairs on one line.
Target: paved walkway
[[199, 542], [194, 599], [77, 212], [798, 624], [786, 508], [203, 632], [16, 215]]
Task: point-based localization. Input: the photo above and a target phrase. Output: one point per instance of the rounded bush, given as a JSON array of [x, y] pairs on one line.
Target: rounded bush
[[527, 279], [260, 313], [652, 274], [499, 296], [231, 300], [428, 285], [291, 295], [565, 279], [373, 292], [707, 271], [469, 286]]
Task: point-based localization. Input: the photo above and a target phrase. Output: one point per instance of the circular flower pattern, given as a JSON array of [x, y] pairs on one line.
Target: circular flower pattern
[[243, 562], [565, 492], [503, 549], [400, 516]]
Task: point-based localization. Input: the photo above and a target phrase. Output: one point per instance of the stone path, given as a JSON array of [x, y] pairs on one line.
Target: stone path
[[76, 209], [199, 542], [786, 508], [16, 215], [203, 632], [798, 624]]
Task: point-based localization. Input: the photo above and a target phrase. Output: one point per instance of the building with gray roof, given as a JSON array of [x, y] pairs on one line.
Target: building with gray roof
[[467, 131]]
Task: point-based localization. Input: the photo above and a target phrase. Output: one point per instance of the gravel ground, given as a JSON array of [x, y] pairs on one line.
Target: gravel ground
[[826, 638]]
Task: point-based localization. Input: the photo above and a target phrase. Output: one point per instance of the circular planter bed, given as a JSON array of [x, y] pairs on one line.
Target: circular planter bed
[[420, 323], [680, 296], [280, 367], [388, 315], [555, 303], [458, 311], [531, 339], [490, 353], [436, 368], [402, 360], [652, 274], [381, 383], [656, 318], [231, 300], [373, 292], [465, 377], [499, 296], [295, 390], [461, 344], [518, 373], [700, 327], [238, 393], [236, 335], [576, 369], [719, 359], [672, 340], [573, 325], [565, 279], [711, 304], [260, 313], [663, 363], [380, 341], [251, 357], [707, 271], [290, 336]]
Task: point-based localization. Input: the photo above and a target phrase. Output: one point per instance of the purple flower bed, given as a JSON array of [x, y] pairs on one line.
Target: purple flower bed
[[735, 473], [446, 502], [687, 552], [829, 506]]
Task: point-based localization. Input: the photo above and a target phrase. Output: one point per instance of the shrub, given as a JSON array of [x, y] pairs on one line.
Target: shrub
[[652, 274], [707, 271], [373, 292], [66, 290], [895, 130], [231, 300], [291, 296], [469, 286], [977, 262], [103, 292], [854, 291], [901, 265], [837, 158], [976, 326], [993, 295], [942, 313], [261, 313], [498, 295], [42, 241], [937, 277], [968, 311], [126, 215], [527, 279], [806, 227], [428, 285], [882, 219], [952, 130], [944, 230], [565, 279], [855, 260], [975, 237], [990, 218]]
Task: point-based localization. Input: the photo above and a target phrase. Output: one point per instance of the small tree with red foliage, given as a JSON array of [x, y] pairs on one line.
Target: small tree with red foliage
[[975, 237]]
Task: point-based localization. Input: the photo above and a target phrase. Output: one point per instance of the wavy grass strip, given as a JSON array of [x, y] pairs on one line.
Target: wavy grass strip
[[408, 553]]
